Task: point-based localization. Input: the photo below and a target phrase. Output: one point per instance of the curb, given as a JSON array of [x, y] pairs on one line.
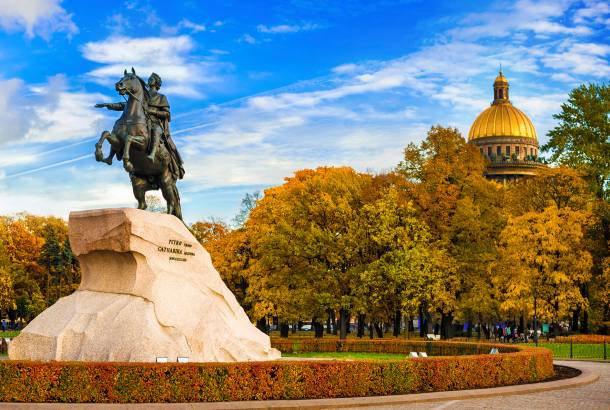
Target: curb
[[586, 377]]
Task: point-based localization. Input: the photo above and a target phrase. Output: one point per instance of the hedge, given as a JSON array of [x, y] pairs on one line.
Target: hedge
[[592, 339], [397, 346], [71, 382]]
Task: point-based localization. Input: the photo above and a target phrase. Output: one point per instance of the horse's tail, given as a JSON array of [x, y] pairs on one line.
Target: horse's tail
[[177, 206]]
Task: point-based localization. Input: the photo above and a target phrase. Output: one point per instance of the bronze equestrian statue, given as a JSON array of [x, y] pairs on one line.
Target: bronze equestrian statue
[[141, 139]]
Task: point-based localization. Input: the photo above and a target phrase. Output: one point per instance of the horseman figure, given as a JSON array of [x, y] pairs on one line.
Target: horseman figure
[[158, 108], [141, 139]]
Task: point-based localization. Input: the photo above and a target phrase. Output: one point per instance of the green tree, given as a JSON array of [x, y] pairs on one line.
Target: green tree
[[463, 210], [51, 259], [581, 139], [395, 248], [247, 204]]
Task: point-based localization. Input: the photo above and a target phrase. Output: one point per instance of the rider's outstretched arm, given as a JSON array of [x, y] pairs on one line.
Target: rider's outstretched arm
[[120, 106]]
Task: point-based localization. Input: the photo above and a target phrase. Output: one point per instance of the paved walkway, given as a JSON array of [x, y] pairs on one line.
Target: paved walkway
[[594, 395]]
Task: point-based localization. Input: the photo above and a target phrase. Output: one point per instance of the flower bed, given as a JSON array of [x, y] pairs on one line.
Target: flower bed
[[198, 382]]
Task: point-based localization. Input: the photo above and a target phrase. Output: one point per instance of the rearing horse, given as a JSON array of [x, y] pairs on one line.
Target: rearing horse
[[129, 139]]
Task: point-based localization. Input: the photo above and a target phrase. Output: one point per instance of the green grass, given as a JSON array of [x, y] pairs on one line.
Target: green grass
[[9, 333], [579, 350], [347, 355]]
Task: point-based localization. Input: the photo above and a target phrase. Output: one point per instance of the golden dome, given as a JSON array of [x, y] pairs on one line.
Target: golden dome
[[502, 119]]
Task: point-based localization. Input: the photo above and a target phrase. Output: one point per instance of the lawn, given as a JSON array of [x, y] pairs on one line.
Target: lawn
[[9, 333], [579, 350], [347, 355]]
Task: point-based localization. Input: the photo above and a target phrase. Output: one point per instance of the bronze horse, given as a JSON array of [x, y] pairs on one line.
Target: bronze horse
[[130, 139]]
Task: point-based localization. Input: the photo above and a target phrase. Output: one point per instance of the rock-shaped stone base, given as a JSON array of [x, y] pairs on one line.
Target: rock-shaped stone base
[[148, 290]]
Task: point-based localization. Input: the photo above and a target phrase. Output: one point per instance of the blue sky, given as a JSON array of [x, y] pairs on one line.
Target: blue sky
[[259, 89]]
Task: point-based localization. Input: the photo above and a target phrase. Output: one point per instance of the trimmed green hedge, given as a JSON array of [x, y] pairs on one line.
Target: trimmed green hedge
[[69, 382], [397, 346]]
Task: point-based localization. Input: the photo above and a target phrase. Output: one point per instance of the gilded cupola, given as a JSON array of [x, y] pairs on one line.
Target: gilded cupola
[[502, 119]]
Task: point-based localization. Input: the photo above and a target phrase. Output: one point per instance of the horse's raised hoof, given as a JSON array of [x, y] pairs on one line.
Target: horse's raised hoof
[[107, 160], [127, 165], [99, 156]]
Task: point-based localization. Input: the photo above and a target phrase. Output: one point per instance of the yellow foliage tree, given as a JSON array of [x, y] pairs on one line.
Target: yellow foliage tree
[[543, 261], [444, 177]]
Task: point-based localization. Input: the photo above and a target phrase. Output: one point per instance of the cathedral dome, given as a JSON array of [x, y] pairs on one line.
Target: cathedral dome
[[502, 119]]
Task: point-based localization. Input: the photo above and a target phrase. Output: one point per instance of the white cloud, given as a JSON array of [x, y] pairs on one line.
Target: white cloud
[[170, 57], [36, 17], [588, 59], [15, 113], [345, 68], [183, 24], [247, 38], [286, 28], [535, 17], [48, 112], [65, 115], [594, 10]]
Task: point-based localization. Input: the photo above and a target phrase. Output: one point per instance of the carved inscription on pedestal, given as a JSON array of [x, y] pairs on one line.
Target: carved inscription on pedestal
[[179, 251]]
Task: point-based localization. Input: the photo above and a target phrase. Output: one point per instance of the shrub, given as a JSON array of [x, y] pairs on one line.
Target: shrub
[[69, 382]]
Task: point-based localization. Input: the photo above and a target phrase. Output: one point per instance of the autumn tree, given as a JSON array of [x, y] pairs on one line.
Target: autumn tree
[[553, 186], [463, 210], [561, 187], [7, 293], [209, 231], [307, 254], [543, 262]]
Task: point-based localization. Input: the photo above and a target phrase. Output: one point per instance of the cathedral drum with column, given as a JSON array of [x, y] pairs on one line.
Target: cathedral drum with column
[[506, 137]]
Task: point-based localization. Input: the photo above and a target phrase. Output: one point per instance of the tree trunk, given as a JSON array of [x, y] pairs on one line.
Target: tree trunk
[[422, 322], [328, 327], [261, 324], [284, 329], [343, 317], [584, 325], [397, 323], [521, 324], [379, 330], [575, 316], [318, 328], [333, 319], [410, 327], [361, 318], [446, 330], [370, 330], [349, 321]]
